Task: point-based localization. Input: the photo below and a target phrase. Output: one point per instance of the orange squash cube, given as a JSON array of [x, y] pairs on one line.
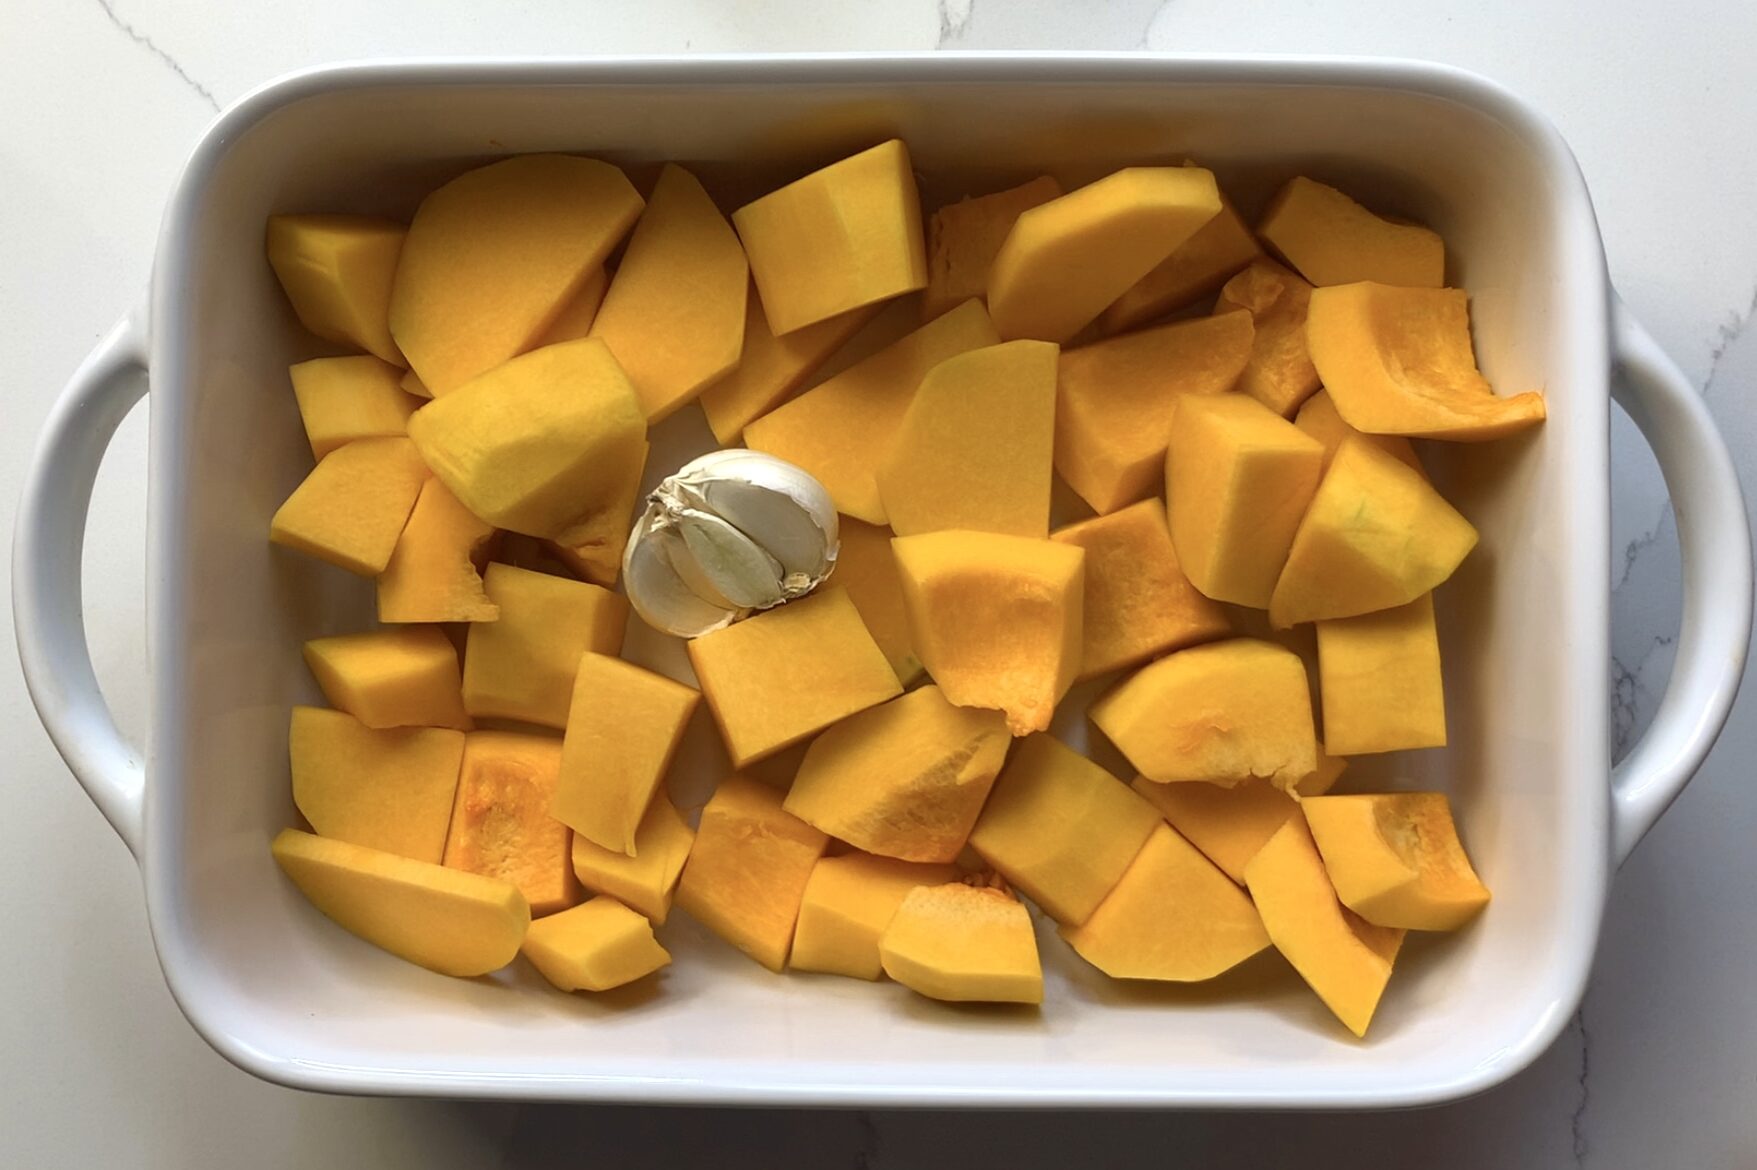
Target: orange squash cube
[[500, 822]]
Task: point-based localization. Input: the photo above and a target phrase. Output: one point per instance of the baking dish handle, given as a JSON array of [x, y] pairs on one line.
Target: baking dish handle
[[47, 550], [1714, 544]]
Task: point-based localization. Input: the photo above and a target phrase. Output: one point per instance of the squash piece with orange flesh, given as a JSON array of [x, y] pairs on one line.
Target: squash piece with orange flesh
[[1379, 674], [576, 317], [963, 943], [748, 868], [433, 574], [848, 902], [1280, 373], [1228, 825], [1398, 361], [522, 665], [1395, 859], [963, 237], [337, 271], [1200, 265], [1317, 417], [401, 677], [1332, 239], [352, 507], [500, 822], [645, 880], [997, 620], [772, 367], [594, 946], [867, 568], [346, 398], [385, 788]]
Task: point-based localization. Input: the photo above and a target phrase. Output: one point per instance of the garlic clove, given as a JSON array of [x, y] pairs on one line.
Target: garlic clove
[[787, 531], [739, 569], [657, 589]]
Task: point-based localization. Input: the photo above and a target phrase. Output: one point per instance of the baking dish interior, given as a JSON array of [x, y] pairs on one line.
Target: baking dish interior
[[280, 990]]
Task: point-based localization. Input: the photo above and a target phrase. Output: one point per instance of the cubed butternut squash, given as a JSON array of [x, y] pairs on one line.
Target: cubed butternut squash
[[1395, 859], [1228, 825], [1280, 373], [646, 879], [963, 943], [848, 902], [772, 367], [352, 507], [867, 568], [1199, 266], [337, 272], [595, 946], [434, 573], [403, 677], [500, 822], [1317, 417], [522, 665], [576, 316], [385, 788], [1379, 675], [963, 237], [346, 398], [1332, 239]]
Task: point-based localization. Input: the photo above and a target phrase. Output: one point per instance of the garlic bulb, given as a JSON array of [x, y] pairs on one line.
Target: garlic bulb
[[727, 534]]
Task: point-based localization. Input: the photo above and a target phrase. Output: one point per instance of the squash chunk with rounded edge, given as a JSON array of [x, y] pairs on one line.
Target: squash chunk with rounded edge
[[1341, 956], [500, 822], [771, 368], [1332, 239], [1065, 261], [1395, 859], [1115, 399], [495, 255], [576, 317], [1377, 535], [1173, 916], [841, 237], [963, 237], [1138, 602], [841, 429], [352, 507], [996, 619], [789, 672], [1061, 828], [906, 779], [748, 868], [622, 729], [594, 946], [1379, 674], [543, 445], [346, 398], [1200, 265], [337, 271], [1280, 373], [1398, 361], [595, 553], [388, 789], [1218, 713], [1228, 825], [522, 666], [644, 881], [446, 921], [401, 677], [867, 568], [1238, 478], [674, 315], [848, 902], [1317, 417], [433, 574], [977, 446], [962, 944]]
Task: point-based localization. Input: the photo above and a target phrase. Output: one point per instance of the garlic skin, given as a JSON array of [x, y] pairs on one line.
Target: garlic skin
[[728, 534]]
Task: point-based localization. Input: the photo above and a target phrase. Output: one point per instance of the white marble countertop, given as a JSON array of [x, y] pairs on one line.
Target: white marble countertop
[[97, 1067]]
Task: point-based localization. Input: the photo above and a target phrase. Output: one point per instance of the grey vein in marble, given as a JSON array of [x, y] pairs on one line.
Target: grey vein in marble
[[1577, 1120], [147, 43], [953, 24]]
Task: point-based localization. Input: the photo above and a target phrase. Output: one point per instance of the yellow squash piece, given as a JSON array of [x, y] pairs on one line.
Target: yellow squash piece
[[337, 272], [1398, 361], [1332, 239], [500, 822], [848, 902], [840, 430], [1200, 265], [1061, 828], [346, 398], [434, 574], [996, 620], [1323, 779], [1115, 400], [1280, 373], [388, 789], [1065, 261], [1228, 825], [594, 946], [622, 730], [771, 368], [748, 869], [977, 445], [412, 384], [1318, 418], [576, 317], [522, 666], [545, 444], [646, 880], [1218, 713], [1380, 678], [1376, 535], [454, 923], [1238, 478], [1172, 916], [905, 779], [840, 238], [674, 315], [1342, 957], [789, 672], [963, 237], [401, 677], [867, 568], [1138, 602], [596, 553], [963, 943], [493, 257], [1395, 859], [352, 507]]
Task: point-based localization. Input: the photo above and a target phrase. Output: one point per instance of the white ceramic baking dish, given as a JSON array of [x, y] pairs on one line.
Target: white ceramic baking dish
[[284, 994]]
